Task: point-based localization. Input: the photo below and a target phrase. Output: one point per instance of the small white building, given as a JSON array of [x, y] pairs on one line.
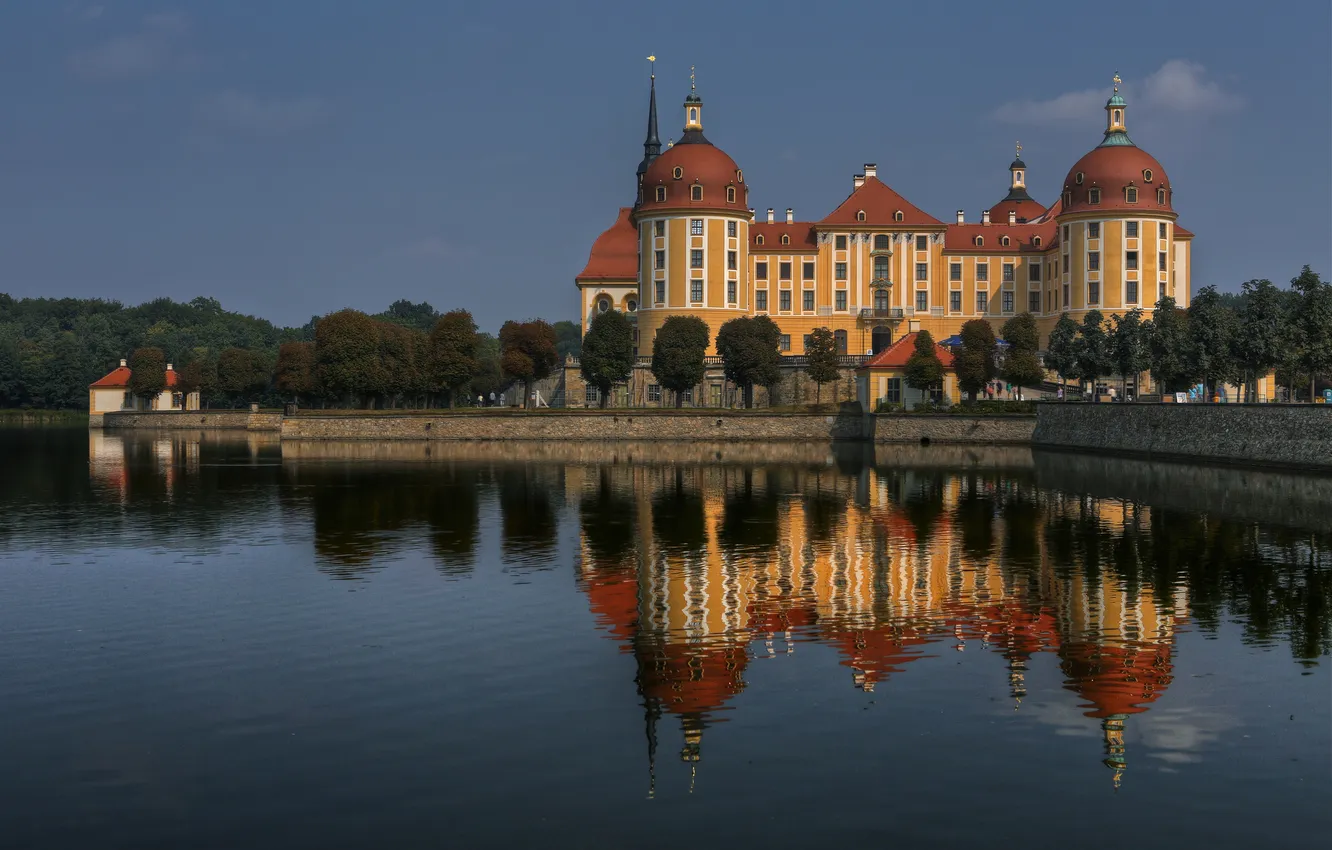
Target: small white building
[[111, 393]]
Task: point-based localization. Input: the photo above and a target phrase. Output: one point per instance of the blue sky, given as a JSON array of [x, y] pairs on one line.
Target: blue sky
[[298, 157]]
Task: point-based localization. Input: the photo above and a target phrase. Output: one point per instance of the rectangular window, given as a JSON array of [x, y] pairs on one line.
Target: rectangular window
[[1131, 231], [1008, 300], [1093, 230], [1094, 196], [731, 259], [654, 392], [730, 291], [807, 271], [695, 227], [592, 395], [1131, 291], [922, 271], [841, 243], [659, 260], [1093, 293], [1065, 302], [982, 271], [1161, 229], [696, 258], [1034, 302], [784, 344], [761, 271], [1161, 261], [894, 391], [804, 342], [954, 271], [784, 300], [1034, 272], [839, 271], [1008, 273], [661, 292], [1130, 259], [808, 296], [839, 299], [982, 302], [761, 300], [922, 243], [1066, 233], [730, 229], [687, 396], [696, 291], [955, 301], [659, 229], [1160, 291], [922, 302], [1094, 261], [784, 271]]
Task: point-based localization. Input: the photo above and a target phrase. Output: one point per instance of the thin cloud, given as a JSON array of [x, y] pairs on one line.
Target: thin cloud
[[1178, 86], [430, 246], [157, 44], [240, 112]]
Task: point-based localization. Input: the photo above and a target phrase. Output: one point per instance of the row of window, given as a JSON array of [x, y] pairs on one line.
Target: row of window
[[783, 271], [695, 191], [1130, 196], [983, 272], [695, 228], [982, 301], [1130, 260], [1130, 230], [895, 386]]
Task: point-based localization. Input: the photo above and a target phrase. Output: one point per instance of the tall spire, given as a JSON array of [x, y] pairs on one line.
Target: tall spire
[[1116, 130], [652, 144]]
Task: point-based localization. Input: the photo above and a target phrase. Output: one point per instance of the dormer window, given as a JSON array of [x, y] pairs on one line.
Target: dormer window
[[696, 192], [1146, 175], [860, 215], [1093, 196], [980, 241], [1036, 241], [897, 216], [678, 172], [786, 240], [1077, 178], [730, 194], [1068, 199], [739, 176], [1131, 195], [758, 240], [661, 194], [1003, 240], [1160, 196]]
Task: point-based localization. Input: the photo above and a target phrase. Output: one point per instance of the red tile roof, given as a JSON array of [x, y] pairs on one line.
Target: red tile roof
[[880, 204], [803, 237], [615, 253], [119, 377], [962, 237], [1027, 210], [896, 355], [1179, 231]]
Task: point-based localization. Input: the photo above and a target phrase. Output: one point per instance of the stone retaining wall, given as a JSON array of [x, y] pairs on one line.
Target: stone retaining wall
[[913, 428], [232, 420], [1267, 434]]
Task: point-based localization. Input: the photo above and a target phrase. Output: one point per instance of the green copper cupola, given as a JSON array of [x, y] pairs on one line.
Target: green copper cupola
[[1116, 131]]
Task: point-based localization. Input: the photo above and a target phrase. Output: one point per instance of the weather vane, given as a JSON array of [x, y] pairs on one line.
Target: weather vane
[[692, 87], [1019, 150], [652, 66], [1117, 82]]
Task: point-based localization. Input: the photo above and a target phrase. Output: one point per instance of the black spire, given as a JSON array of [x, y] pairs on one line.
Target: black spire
[[652, 144]]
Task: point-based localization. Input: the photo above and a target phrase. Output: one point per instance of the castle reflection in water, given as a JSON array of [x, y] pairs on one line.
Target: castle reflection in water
[[698, 566]]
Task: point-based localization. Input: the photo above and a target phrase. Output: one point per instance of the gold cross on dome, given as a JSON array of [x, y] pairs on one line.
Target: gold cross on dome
[[1117, 82]]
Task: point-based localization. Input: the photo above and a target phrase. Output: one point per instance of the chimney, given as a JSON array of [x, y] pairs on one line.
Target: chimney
[[871, 169], [961, 217], [858, 181], [770, 213], [1012, 217], [985, 217], [123, 364], [790, 216]]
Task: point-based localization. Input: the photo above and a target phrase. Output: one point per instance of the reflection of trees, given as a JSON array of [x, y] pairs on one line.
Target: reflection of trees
[[453, 505], [528, 525], [749, 520], [678, 520], [607, 516], [921, 495], [975, 517]]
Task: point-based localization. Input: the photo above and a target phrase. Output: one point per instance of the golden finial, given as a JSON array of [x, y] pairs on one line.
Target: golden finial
[[1019, 150], [692, 87], [1117, 82], [652, 66]]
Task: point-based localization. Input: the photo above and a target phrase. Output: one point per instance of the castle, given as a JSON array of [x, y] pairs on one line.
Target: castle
[[878, 266]]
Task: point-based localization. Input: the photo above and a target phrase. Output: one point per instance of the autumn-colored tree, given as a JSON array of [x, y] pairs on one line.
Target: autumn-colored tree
[[147, 374], [294, 373], [528, 352], [398, 355], [451, 360], [347, 360]]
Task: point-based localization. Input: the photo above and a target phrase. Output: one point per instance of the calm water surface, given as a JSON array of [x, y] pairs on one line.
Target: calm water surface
[[213, 640]]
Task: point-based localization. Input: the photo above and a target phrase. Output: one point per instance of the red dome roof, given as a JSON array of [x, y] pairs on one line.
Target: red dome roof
[[1112, 169], [1027, 209], [699, 164]]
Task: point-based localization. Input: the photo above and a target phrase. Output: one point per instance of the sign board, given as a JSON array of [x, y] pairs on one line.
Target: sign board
[[1181, 398], [1327, 396]]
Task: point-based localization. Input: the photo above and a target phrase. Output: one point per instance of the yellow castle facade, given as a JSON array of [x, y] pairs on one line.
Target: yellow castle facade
[[878, 266]]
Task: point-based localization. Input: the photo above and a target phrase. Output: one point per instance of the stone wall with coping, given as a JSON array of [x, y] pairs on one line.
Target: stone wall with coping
[[972, 430], [232, 420], [1298, 435]]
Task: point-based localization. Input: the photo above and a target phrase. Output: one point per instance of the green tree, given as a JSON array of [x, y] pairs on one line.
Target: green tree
[[924, 369], [1129, 348], [191, 378], [1314, 326], [528, 352], [294, 373], [821, 360], [607, 352], [402, 353], [678, 350], [749, 349], [568, 339], [1022, 366], [451, 361], [147, 374], [347, 360], [1167, 347], [241, 374], [1263, 339], [488, 379], [1212, 329], [419, 317], [975, 363], [1094, 354], [1061, 354]]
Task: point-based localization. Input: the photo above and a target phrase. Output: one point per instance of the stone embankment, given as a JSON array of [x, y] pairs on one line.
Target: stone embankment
[[1291, 435], [229, 420]]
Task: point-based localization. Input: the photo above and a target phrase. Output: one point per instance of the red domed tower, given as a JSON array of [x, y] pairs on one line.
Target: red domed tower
[[1017, 202]]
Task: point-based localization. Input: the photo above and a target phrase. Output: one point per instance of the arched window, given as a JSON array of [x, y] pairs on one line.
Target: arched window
[[678, 172], [860, 215], [786, 240], [696, 192], [1160, 196], [631, 305], [1003, 240], [1131, 195], [1119, 117], [1077, 178], [730, 194], [661, 194], [1147, 175], [897, 216], [1036, 241], [603, 304], [881, 242], [758, 240], [980, 241]]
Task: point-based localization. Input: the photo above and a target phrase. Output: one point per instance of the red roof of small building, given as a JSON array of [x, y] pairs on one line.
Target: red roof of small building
[[803, 237], [119, 378], [880, 204], [1182, 233], [896, 355], [614, 255]]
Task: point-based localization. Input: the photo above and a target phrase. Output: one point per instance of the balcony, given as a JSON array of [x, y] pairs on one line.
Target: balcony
[[881, 312]]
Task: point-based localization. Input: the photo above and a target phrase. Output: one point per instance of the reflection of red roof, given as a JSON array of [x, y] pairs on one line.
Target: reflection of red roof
[[689, 679], [1116, 679], [876, 652], [119, 378], [880, 205], [801, 233], [896, 355], [615, 253], [613, 598]]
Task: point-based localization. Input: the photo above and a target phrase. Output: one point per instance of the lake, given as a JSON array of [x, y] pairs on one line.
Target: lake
[[217, 640]]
